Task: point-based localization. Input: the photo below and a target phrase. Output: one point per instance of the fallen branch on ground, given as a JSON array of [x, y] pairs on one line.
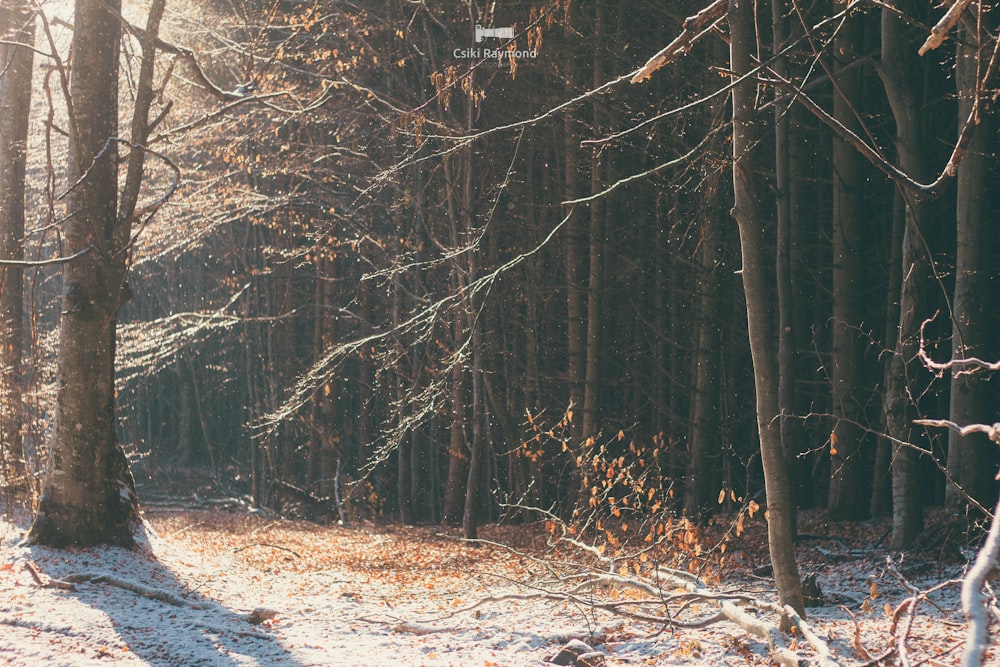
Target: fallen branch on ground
[[157, 594]]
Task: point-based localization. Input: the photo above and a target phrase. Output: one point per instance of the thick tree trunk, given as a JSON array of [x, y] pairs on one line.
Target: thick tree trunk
[[847, 499], [17, 24], [89, 494], [758, 299], [972, 459]]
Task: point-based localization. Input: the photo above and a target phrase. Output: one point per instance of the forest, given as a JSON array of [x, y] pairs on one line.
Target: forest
[[614, 267]]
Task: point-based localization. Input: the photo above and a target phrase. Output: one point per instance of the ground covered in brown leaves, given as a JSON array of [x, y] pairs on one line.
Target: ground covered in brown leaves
[[236, 588]]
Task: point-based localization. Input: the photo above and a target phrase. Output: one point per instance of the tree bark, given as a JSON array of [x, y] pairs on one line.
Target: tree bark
[[899, 408], [751, 228], [598, 244], [847, 500], [703, 478], [972, 459], [89, 494], [17, 24], [576, 250]]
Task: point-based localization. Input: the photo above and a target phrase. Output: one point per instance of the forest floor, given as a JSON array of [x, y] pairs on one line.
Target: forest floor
[[223, 587]]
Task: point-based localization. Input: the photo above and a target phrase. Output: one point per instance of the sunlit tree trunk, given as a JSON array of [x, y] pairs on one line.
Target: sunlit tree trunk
[[89, 494], [17, 25], [758, 300]]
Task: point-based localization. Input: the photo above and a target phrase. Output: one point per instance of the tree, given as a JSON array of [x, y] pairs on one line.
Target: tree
[[846, 500], [88, 495], [971, 459], [915, 273], [17, 29], [752, 232]]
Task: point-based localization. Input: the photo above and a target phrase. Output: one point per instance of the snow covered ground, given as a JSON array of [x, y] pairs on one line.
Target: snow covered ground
[[217, 588]]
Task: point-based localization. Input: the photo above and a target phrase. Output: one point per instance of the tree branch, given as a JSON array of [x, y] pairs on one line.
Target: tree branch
[[940, 31], [694, 29]]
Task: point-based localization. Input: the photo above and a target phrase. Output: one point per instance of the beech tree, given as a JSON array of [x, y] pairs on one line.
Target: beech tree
[[88, 496], [749, 219]]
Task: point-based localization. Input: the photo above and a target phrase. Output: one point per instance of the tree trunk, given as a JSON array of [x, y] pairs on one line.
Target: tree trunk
[[703, 478], [576, 246], [847, 500], [17, 24], [458, 451], [758, 299], [89, 494], [881, 496], [899, 408], [598, 243], [972, 459], [791, 430]]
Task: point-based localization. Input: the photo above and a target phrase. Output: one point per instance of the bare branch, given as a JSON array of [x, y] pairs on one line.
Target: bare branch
[[940, 31], [46, 262], [694, 29], [966, 364], [974, 601], [992, 432]]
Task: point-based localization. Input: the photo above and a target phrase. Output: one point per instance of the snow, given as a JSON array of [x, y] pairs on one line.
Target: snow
[[211, 588]]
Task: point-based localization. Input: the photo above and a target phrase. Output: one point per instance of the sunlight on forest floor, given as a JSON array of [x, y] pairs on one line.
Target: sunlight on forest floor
[[224, 588]]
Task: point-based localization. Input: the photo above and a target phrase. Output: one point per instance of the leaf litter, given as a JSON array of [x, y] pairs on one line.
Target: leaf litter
[[228, 588]]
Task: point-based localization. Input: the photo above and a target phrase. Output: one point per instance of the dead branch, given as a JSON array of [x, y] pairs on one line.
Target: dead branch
[[399, 625], [694, 28], [974, 601], [135, 587], [966, 364], [759, 627], [45, 262], [580, 588], [992, 432], [940, 31]]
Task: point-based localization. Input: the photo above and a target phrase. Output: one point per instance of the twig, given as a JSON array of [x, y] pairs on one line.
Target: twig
[[962, 364], [858, 644]]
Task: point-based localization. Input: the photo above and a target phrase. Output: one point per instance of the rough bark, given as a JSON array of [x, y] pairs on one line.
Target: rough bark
[[89, 494], [758, 300]]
